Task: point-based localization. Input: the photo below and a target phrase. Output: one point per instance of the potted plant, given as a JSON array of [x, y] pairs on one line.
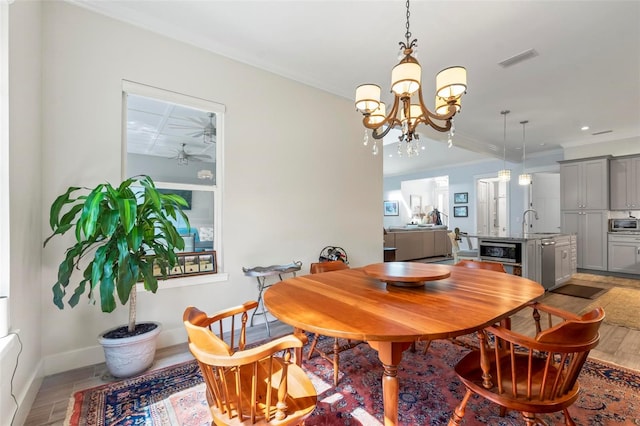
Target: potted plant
[[125, 231]]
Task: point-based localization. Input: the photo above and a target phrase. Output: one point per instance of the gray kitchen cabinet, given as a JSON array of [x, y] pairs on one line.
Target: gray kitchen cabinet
[[590, 228], [624, 187], [584, 184], [624, 253], [418, 244]]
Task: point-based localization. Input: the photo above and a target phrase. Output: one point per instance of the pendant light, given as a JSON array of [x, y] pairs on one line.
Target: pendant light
[[505, 174], [524, 178]]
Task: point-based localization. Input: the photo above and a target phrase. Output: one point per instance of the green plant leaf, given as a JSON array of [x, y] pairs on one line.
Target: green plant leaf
[[109, 222], [75, 298], [91, 211], [128, 273], [128, 212], [59, 230], [107, 286], [97, 267], [57, 205]]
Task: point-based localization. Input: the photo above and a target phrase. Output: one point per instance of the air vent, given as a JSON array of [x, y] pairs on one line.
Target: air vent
[[492, 147], [601, 133], [527, 54]]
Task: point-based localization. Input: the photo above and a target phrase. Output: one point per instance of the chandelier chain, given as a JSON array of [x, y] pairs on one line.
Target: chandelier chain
[[408, 33]]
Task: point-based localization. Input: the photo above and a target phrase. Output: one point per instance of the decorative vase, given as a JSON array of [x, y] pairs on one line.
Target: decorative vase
[[129, 356]]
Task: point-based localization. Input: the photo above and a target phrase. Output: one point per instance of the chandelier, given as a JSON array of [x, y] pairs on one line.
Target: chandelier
[[504, 175], [406, 114], [524, 178]]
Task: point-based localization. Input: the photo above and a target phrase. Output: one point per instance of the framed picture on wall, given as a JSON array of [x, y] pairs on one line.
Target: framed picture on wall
[[461, 198], [415, 203], [391, 208], [460, 211]]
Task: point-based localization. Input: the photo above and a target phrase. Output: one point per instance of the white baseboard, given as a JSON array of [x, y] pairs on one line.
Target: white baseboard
[[94, 354]]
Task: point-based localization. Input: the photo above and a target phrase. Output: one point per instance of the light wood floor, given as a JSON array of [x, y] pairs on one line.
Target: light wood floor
[[618, 345]]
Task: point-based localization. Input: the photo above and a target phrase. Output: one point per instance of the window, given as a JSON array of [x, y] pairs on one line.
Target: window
[[177, 140]]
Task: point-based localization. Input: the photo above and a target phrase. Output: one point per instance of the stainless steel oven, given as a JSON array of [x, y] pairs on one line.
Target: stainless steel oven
[[501, 251]]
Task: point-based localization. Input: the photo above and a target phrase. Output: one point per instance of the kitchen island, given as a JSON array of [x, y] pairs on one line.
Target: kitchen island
[[547, 258]]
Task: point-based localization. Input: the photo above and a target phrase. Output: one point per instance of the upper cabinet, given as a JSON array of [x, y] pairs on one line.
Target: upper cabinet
[[584, 184], [625, 183]]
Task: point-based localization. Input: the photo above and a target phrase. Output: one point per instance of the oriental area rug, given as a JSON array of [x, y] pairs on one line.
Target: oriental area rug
[[429, 392]]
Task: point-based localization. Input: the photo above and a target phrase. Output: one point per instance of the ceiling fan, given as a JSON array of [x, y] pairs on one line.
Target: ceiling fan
[[206, 128], [184, 157]]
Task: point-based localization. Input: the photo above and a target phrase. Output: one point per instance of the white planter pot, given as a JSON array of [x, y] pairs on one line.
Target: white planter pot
[[126, 357]]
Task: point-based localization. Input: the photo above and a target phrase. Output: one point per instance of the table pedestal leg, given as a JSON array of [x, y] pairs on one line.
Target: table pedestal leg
[[390, 354]]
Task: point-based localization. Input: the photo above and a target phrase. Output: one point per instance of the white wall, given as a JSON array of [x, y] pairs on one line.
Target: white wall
[[616, 148], [295, 180], [25, 209]]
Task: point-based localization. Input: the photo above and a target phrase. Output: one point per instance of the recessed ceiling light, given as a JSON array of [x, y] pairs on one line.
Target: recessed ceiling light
[[542, 144], [584, 128]]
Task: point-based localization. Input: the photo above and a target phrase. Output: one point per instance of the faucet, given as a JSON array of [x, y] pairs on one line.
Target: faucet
[[524, 215]]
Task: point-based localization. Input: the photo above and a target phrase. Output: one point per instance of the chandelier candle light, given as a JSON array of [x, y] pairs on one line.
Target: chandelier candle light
[[524, 178], [505, 174], [451, 84]]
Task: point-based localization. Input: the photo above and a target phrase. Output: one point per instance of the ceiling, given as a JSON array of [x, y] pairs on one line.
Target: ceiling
[[586, 71]]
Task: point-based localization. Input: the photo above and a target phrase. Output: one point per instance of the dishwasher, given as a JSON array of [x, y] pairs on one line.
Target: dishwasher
[[548, 263]]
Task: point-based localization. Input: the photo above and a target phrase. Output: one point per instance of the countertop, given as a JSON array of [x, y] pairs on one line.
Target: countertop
[[512, 236]]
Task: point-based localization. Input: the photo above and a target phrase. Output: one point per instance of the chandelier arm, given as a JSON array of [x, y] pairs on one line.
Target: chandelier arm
[[426, 120], [441, 117], [390, 120]]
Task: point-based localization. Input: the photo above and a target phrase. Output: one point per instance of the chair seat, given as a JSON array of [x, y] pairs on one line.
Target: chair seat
[[300, 399], [468, 253], [470, 373]]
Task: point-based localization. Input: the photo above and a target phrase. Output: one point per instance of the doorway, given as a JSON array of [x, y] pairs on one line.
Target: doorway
[[492, 206]]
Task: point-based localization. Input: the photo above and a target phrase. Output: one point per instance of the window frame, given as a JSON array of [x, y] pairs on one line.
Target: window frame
[[130, 87]]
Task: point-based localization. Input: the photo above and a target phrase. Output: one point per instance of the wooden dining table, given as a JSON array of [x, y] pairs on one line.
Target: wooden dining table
[[354, 304]]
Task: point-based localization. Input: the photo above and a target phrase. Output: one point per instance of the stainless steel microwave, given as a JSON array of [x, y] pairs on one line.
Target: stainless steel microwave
[[627, 224], [500, 251]]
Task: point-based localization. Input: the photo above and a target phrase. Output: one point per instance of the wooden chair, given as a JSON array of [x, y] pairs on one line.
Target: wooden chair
[[248, 386], [477, 264], [537, 374], [334, 355], [474, 264]]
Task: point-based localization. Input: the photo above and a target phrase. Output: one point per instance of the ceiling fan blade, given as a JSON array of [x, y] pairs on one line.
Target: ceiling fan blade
[[182, 126], [202, 157], [201, 122]]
